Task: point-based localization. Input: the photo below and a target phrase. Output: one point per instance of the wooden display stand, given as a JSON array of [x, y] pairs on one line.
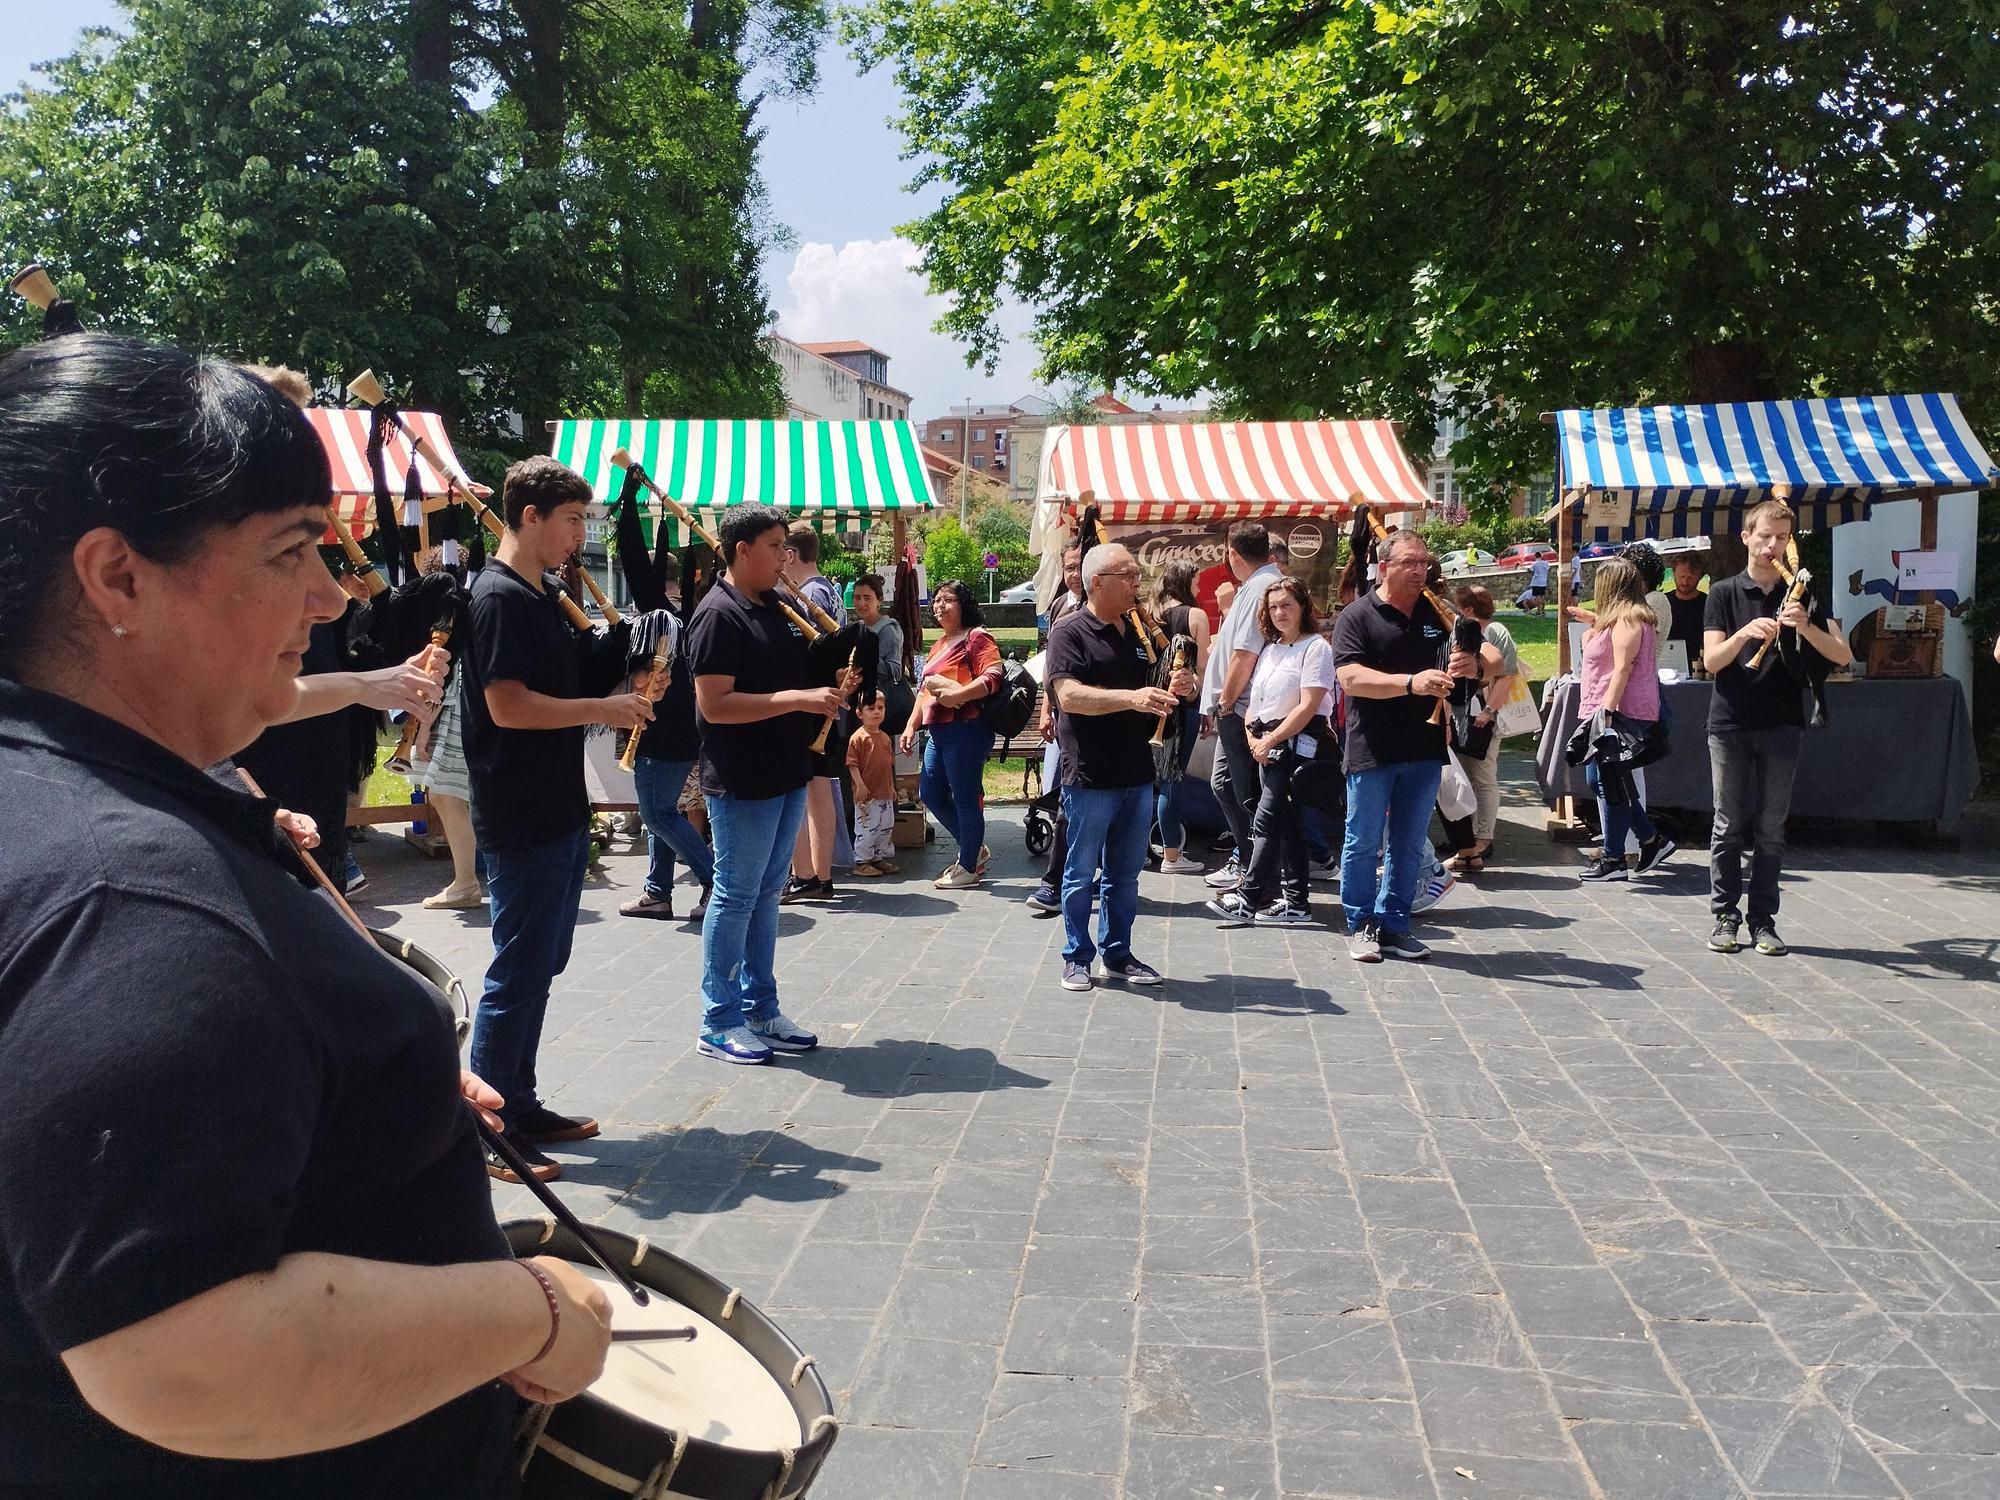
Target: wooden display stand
[[913, 828]]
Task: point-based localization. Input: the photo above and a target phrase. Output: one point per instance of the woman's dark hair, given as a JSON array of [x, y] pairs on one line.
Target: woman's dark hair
[[742, 525], [1646, 558], [160, 445], [1177, 583], [872, 581], [968, 607], [1308, 619]]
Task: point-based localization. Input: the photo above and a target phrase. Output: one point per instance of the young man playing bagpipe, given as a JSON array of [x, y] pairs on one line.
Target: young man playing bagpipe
[[1765, 643]]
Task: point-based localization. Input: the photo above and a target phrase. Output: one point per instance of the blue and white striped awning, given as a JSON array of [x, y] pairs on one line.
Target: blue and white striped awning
[[1692, 470]]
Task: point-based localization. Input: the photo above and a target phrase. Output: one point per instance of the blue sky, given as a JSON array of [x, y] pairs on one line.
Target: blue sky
[[836, 183]]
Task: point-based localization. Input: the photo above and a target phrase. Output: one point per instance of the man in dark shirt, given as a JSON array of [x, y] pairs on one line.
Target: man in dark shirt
[[757, 719], [1755, 722], [1689, 607], [1099, 676], [1386, 648], [525, 711]]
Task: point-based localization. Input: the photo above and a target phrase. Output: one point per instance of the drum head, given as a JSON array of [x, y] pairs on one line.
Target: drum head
[[749, 1407]]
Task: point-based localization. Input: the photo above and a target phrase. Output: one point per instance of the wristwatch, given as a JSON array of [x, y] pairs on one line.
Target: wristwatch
[[1410, 686]]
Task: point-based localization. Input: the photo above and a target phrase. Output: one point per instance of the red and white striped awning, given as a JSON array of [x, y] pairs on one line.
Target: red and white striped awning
[[1226, 471], [344, 433]]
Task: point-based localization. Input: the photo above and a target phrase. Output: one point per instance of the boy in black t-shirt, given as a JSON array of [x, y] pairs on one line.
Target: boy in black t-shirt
[[525, 711], [757, 719], [1755, 722], [1100, 678]]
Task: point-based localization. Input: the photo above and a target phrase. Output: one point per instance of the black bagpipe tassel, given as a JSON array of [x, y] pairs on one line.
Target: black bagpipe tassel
[[413, 504], [642, 573], [387, 532]]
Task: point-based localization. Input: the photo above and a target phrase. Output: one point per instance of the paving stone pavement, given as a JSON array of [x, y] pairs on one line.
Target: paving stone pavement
[[1577, 1209]]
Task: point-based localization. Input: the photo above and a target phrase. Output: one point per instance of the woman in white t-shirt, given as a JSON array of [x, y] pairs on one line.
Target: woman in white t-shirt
[[1285, 718]]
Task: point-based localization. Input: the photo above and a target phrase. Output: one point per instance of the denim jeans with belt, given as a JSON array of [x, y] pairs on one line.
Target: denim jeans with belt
[[1751, 773], [668, 831], [739, 936], [952, 782], [534, 890], [1399, 798], [1108, 828]]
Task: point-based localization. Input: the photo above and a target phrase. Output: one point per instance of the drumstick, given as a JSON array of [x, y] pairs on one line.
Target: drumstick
[[643, 1335], [495, 1142], [311, 864]]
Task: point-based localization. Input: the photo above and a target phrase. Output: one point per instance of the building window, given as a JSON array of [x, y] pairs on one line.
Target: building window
[[1000, 440], [979, 460], [946, 435], [979, 434]]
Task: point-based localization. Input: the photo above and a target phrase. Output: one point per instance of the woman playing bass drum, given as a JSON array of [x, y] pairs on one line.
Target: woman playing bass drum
[[249, 1248]]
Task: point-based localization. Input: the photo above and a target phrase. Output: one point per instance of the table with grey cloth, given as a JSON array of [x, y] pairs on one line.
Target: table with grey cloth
[[1895, 751]]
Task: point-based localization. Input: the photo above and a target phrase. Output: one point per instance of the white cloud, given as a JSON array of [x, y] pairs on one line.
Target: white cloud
[[871, 290]]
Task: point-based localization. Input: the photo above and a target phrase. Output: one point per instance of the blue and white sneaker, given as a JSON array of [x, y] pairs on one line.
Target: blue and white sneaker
[[1129, 969], [1044, 900], [782, 1034], [1432, 889], [739, 1044]]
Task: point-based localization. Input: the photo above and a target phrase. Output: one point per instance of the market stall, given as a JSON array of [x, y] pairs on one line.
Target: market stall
[[1896, 749], [830, 472], [1171, 490], [343, 432]]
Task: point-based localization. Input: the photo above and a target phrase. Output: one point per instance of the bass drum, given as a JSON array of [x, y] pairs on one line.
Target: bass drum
[[450, 992], [739, 1413]]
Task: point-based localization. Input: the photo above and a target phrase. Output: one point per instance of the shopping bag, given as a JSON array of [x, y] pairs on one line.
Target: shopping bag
[[1455, 795], [1518, 715]]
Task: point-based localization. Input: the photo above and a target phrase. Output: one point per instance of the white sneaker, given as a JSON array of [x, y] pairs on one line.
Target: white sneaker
[[782, 1034], [1328, 871], [1228, 877], [955, 878], [1180, 864]]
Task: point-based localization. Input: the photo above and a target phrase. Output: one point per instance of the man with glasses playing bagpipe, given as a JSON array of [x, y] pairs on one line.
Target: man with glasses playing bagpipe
[[247, 1247]]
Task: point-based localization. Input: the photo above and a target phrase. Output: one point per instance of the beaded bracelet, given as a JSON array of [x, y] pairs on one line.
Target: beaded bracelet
[[555, 1308]]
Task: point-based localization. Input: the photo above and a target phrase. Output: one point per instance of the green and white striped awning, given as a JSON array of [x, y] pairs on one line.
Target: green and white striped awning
[[820, 469]]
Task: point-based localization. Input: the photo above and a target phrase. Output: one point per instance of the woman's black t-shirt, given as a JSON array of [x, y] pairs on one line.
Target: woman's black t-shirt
[[206, 1070]]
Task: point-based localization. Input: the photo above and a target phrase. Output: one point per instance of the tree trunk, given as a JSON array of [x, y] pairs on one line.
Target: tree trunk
[[1738, 370]]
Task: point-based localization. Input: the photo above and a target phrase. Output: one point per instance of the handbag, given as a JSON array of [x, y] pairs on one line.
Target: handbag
[[1318, 780]]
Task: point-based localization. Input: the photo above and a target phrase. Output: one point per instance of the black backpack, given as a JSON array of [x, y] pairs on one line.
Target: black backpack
[[1008, 710]]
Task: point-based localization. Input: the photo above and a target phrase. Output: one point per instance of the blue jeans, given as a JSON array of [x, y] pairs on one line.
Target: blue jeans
[[739, 936], [668, 831], [1319, 842], [1397, 800], [952, 782], [534, 890], [1167, 810], [1620, 820], [1107, 846]]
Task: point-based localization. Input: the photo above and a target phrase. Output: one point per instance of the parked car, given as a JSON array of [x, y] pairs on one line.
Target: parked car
[[1522, 554], [1591, 550], [1020, 593], [1463, 560]]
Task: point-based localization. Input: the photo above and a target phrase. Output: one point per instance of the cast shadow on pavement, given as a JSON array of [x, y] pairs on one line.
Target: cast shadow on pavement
[[1556, 971], [1926, 962], [897, 1067], [1256, 993], [707, 1171]]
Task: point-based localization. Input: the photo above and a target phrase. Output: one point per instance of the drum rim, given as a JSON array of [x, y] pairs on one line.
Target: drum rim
[[431, 969], [808, 1397]]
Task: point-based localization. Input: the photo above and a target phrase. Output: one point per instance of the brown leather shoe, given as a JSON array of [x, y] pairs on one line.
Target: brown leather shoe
[[545, 1127]]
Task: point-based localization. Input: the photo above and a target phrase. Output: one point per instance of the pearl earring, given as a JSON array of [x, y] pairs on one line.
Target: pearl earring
[[120, 631]]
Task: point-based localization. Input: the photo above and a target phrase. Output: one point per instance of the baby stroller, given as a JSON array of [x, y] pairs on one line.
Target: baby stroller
[[1039, 828]]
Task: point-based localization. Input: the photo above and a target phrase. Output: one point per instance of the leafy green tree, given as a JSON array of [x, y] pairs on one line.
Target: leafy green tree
[[950, 553], [1348, 209]]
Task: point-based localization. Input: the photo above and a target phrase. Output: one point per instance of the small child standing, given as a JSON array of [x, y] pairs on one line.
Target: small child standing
[[871, 766]]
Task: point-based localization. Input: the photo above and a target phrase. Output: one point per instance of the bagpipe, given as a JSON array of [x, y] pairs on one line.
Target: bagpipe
[[33, 284], [1806, 666], [655, 634], [1090, 533], [832, 649]]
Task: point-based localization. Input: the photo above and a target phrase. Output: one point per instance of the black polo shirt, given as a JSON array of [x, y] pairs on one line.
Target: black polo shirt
[[1772, 696], [1101, 751], [205, 1070], [1373, 633], [734, 635], [527, 784]]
